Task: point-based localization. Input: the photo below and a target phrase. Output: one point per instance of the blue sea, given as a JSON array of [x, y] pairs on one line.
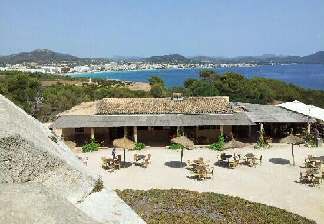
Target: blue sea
[[304, 75]]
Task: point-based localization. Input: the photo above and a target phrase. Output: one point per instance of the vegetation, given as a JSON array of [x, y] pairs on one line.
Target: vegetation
[[91, 146], [139, 146], [176, 146], [219, 145], [44, 102], [255, 90], [181, 206], [310, 140], [262, 142], [157, 87], [99, 185]]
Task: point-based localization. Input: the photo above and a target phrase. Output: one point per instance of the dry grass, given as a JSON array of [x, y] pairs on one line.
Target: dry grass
[[182, 206]]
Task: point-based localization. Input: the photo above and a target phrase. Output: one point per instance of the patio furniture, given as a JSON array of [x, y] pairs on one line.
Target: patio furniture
[[201, 169], [233, 163], [117, 162], [147, 161], [315, 180], [313, 175], [142, 160], [303, 178], [251, 160], [107, 163]]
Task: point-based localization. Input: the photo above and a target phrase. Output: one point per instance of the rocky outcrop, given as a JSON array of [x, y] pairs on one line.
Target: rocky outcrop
[[34, 203], [42, 181]]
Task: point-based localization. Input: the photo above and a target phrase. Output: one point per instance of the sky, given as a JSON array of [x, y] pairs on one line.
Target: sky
[[105, 28]]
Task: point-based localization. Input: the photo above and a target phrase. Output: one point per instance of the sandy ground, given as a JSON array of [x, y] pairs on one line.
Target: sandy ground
[[144, 86], [272, 183]]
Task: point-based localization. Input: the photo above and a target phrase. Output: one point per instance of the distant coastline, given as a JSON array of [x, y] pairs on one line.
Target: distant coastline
[[304, 75]]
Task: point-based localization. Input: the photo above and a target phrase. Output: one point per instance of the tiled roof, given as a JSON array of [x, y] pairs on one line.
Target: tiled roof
[[190, 105]]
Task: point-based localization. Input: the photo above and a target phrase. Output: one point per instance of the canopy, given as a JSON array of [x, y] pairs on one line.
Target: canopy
[[235, 144], [183, 140], [292, 139], [308, 110], [124, 143]]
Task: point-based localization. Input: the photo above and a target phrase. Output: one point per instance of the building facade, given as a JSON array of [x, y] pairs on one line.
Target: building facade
[[154, 121]]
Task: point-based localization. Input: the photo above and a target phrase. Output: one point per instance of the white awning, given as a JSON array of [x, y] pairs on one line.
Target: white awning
[[308, 110]]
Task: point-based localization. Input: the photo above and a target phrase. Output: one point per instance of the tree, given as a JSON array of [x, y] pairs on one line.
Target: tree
[[157, 91], [155, 80], [208, 74]]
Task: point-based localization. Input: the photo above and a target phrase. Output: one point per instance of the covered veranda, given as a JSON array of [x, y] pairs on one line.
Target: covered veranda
[[152, 130]]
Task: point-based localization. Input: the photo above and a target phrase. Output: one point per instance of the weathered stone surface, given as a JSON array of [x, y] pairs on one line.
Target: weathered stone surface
[[20, 162], [35, 204], [42, 181]]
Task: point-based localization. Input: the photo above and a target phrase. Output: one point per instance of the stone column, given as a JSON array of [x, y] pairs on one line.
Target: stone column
[[221, 128], [92, 133], [308, 128], [125, 132], [261, 126], [135, 133]]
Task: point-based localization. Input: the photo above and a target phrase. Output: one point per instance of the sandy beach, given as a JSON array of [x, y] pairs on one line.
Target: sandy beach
[[274, 182]]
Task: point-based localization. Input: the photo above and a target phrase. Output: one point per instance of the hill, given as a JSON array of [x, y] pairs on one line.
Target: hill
[[316, 58], [170, 58], [40, 56], [45, 56]]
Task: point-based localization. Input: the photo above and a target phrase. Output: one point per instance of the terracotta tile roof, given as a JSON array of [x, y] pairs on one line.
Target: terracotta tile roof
[[190, 105]]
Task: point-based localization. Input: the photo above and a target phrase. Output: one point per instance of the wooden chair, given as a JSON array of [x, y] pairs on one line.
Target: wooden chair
[[210, 171], [316, 181], [146, 163], [149, 157], [107, 164], [117, 162], [303, 178]]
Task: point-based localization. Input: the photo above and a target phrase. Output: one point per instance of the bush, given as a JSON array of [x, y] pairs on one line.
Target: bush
[[262, 142], [139, 146], [99, 185], [219, 145], [176, 146], [90, 147], [310, 140]]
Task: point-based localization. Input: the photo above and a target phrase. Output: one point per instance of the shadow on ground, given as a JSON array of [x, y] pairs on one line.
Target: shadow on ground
[[175, 164], [280, 161], [126, 164]]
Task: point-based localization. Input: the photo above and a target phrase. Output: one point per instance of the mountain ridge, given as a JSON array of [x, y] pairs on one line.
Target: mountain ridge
[[46, 56]]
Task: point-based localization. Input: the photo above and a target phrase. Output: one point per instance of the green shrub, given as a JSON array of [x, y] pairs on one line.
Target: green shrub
[[219, 145], [310, 140], [90, 147], [262, 142], [175, 146], [139, 146], [98, 186]]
